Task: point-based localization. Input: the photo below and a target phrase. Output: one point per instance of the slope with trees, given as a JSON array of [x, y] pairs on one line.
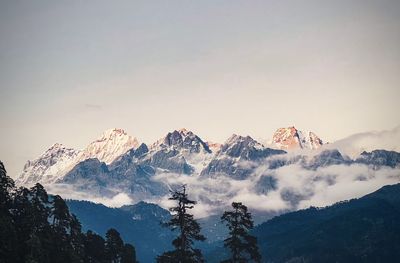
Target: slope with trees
[[37, 228]]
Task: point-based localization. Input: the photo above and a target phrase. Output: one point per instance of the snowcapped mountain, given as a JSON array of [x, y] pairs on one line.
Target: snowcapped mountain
[[109, 146], [180, 151], [214, 146], [50, 166], [291, 138], [237, 157], [115, 163], [58, 160], [183, 140]]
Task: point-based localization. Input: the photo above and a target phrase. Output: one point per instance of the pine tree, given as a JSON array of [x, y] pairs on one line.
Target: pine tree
[[243, 246], [94, 248], [21, 214], [128, 254], [27, 235], [77, 239], [114, 245], [62, 249], [6, 186], [189, 230], [39, 240], [8, 240]]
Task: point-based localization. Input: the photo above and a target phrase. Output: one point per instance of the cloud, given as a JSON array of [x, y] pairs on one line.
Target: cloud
[[295, 187], [368, 141], [114, 198]]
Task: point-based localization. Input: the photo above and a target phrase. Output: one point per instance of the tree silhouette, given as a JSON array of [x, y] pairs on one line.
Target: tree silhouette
[[94, 248], [114, 245], [37, 228], [243, 246], [8, 240], [128, 254], [189, 230]]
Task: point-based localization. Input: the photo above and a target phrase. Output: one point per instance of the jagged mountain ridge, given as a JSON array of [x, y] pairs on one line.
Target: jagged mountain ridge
[[180, 151], [50, 166], [291, 138], [58, 160]]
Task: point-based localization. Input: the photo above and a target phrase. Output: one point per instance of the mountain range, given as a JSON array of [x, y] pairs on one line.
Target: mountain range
[[180, 151], [116, 165]]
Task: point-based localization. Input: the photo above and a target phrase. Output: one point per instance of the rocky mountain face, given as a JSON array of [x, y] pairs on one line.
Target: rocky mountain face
[[379, 158], [109, 146], [291, 138], [238, 157], [50, 166], [180, 151], [58, 160]]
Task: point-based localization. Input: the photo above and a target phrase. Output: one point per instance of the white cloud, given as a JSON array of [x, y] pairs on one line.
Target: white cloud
[[113, 199], [368, 141], [296, 187]]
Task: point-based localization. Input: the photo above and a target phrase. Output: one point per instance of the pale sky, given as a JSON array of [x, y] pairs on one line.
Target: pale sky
[[71, 69]]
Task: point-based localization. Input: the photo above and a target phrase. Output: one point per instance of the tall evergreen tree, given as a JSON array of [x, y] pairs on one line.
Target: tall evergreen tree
[[189, 230], [243, 246], [63, 250], [39, 240], [128, 254], [6, 186], [114, 246], [94, 248], [8, 240]]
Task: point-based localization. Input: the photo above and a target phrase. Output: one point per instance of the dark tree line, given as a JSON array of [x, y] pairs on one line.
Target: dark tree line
[[37, 228], [242, 245]]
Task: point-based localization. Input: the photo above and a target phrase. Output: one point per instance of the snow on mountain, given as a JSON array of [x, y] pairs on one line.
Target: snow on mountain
[[58, 160], [180, 151], [214, 146], [183, 140], [50, 166], [237, 157], [109, 146], [291, 138]]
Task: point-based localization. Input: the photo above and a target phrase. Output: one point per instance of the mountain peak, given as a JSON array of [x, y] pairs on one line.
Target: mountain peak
[[48, 166], [182, 139], [110, 145], [291, 138], [113, 133]]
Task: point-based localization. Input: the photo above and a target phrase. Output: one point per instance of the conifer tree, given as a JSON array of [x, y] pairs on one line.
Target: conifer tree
[[8, 240], [114, 245], [242, 245], [94, 248], [62, 248], [128, 254], [189, 231], [34, 229]]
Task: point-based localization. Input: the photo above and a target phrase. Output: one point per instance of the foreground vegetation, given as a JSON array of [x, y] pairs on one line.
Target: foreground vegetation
[[37, 228]]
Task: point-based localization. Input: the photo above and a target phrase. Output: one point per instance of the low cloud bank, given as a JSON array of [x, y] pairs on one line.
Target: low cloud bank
[[290, 187], [114, 198], [368, 141]]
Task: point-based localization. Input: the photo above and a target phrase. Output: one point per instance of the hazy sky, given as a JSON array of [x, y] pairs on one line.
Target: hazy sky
[[71, 69]]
